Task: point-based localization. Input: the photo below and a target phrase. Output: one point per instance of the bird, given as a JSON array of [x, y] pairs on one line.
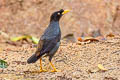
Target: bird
[[49, 41]]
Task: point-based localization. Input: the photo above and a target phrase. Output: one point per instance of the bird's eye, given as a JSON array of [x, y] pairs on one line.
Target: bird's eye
[[58, 13]]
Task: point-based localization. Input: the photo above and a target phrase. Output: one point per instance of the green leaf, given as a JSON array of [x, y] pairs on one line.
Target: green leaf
[[35, 40], [20, 38], [3, 64]]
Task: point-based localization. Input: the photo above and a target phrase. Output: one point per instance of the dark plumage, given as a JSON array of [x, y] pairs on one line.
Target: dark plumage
[[50, 40]]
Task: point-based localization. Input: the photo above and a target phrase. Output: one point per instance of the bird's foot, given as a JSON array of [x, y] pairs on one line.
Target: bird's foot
[[43, 70], [55, 70]]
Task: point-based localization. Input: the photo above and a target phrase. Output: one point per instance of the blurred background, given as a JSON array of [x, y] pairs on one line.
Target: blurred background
[[19, 17], [94, 25]]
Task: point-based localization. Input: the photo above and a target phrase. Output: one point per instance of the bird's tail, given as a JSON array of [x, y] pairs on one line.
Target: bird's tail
[[32, 59]]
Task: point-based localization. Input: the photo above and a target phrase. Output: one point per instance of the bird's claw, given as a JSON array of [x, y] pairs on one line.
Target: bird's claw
[[42, 70], [55, 70]]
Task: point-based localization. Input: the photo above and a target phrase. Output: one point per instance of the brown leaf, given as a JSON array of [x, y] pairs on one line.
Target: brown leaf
[[110, 35], [110, 78], [80, 39], [91, 39]]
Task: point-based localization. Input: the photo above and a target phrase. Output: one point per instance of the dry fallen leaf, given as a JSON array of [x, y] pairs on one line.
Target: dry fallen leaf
[[82, 43], [110, 78], [85, 39], [101, 67], [110, 35], [97, 69], [91, 40], [80, 39]]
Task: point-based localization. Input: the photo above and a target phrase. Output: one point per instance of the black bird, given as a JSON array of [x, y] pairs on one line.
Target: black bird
[[49, 41]]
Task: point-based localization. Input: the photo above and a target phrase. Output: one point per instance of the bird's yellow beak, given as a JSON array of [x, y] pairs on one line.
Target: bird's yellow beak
[[65, 11]]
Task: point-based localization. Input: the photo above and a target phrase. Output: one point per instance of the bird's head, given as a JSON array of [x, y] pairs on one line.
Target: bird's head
[[58, 14]]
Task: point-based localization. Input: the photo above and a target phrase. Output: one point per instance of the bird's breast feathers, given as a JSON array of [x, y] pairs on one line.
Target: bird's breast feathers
[[51, 32]]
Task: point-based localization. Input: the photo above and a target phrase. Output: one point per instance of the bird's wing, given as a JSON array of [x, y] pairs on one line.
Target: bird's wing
[[45, 45], [39, 47], [49, 39]]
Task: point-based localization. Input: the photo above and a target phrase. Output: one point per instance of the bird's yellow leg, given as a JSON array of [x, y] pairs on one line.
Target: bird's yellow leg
[[41, 69], [54, 69]]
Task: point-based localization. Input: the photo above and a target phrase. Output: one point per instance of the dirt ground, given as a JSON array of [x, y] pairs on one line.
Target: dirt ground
[[76, 62]]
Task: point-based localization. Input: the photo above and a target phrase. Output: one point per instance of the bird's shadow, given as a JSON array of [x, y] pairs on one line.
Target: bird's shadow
[[32, 72]]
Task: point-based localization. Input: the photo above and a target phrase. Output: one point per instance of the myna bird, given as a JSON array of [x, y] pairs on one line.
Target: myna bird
[[49, 41]]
